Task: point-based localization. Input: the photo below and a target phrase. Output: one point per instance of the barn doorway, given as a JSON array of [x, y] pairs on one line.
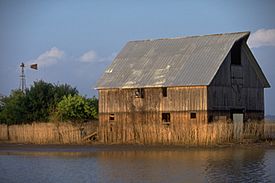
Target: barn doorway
[[237, 116]]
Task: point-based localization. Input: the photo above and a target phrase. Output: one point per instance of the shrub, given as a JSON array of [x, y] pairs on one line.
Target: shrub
[[77, 108], [36, 104], [14, 111]]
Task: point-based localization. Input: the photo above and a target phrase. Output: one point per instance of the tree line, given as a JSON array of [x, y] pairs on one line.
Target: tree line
[[44, 102]]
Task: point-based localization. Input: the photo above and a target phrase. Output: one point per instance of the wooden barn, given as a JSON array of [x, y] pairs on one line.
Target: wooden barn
[[196, 79]]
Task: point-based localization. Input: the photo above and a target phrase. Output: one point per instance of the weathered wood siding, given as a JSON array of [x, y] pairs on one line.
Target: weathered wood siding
[[237, 87], [180, 102]]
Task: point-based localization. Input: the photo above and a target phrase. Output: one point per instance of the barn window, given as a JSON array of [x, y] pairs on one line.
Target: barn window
[[193, 115], [139, 93], [112, 117], [236, 53], [166, 117], [164, 92], [210, 119]]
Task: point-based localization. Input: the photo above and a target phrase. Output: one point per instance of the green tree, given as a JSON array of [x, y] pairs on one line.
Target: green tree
[[62, 90], [93, 102], [14, 111], [77, 108], [42, 99], [36, 104], [39, 99]]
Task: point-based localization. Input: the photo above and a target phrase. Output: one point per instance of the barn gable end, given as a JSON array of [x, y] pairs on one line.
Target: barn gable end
[[238, 87]]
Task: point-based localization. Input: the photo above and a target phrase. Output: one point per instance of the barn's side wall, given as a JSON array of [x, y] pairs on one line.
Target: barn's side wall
[[180, 102], [236, 87]]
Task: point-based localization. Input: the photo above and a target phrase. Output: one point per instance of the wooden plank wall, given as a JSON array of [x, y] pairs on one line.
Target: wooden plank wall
[[180, 102], [223, 98], [178, 99], [224, 94]]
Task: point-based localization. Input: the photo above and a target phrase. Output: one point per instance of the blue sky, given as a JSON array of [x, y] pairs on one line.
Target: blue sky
[[74, 41]]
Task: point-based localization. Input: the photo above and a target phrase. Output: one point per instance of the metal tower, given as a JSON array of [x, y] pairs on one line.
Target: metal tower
[[22, 85]]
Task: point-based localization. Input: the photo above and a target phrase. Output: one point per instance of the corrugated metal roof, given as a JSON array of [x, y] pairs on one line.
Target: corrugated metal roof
[[169, 62]]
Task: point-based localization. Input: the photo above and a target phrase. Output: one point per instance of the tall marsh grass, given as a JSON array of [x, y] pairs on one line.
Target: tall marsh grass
[[45, 133], [185, 133], [269, 130], [125, 133], [3, 132]]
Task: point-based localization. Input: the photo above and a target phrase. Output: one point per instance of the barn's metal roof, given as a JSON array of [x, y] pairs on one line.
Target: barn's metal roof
[[169, 62]]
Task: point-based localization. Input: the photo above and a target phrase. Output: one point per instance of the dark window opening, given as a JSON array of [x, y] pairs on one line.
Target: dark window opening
[[139, 93], [210, 119], [236, 53], [164, 92], [165, 117], [193, 115], [112, 117]]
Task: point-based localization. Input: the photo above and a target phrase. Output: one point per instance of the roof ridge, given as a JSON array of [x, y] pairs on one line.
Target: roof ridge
[[194, 36]]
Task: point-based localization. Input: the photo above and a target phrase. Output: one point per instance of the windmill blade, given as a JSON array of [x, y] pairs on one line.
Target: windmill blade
[[34, 66]]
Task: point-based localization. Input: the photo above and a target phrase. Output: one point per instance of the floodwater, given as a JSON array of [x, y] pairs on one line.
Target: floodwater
[[125, 164]]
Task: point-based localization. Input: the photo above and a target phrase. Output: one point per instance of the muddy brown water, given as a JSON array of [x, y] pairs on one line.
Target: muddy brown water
[[124, 164]]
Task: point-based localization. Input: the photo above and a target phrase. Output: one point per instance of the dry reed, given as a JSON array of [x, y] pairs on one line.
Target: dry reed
[[269, 130], [125, 133], [3, 132], [184, 133], [48, 133]]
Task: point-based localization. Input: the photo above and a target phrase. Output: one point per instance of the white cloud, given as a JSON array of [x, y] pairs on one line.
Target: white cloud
[[92, 57], [89, 57], [262, 37], [109, 58], [49, 57]]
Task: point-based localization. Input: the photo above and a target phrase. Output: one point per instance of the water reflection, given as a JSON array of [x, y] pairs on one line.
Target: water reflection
[[237, 166], [138, 165], [151, 166]]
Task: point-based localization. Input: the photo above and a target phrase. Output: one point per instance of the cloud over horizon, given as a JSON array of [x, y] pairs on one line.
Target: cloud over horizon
[[88, 57], [262, 37], [48, 58], [92, 57]]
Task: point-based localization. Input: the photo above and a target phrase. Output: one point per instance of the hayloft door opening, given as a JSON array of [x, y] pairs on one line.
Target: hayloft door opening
[[236, 53]]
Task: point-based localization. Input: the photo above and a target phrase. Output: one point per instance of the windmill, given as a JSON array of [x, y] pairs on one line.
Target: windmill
[[22, 85]]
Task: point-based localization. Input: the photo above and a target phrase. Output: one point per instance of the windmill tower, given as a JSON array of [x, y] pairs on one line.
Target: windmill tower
[[22, 76]]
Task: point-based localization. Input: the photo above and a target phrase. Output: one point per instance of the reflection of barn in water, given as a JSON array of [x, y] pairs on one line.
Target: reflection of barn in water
[[236, 165], [174, 164]]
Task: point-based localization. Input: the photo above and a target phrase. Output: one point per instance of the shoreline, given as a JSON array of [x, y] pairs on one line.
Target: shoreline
[[20, 147]]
